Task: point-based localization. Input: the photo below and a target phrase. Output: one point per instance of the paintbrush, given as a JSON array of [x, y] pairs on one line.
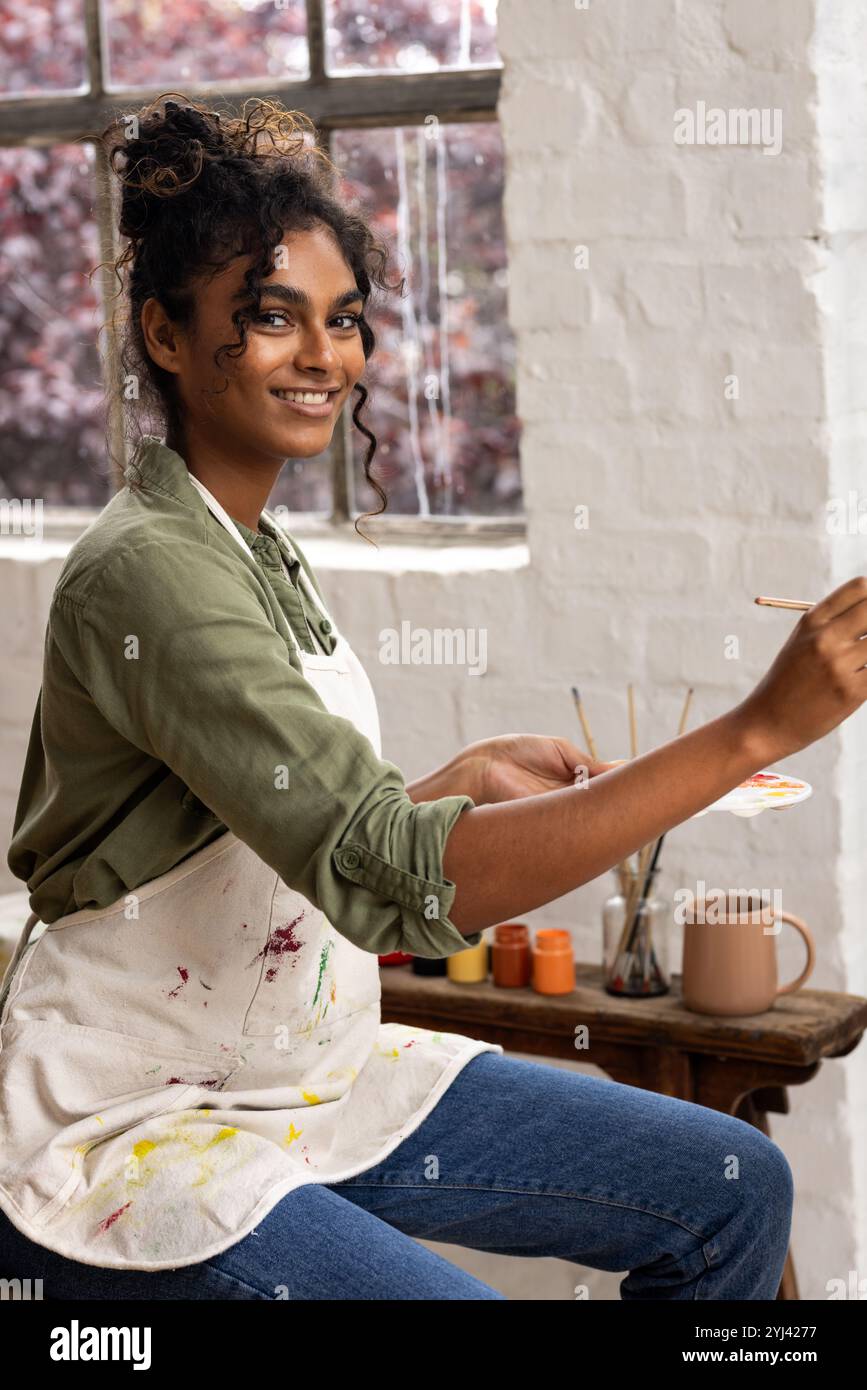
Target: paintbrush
[[624, 953], [638, 947], [785, 603], [628, 956], [648, 849], [588, 737], [633, 747]]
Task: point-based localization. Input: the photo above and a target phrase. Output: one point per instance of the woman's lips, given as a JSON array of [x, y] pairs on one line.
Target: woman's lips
[[308, 408]]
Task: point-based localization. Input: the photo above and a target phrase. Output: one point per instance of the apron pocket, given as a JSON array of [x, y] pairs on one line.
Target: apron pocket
[[66, 1089], [308, 974], [294, 971]]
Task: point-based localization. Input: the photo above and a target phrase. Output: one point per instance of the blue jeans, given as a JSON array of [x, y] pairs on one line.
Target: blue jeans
[[519, 1158]]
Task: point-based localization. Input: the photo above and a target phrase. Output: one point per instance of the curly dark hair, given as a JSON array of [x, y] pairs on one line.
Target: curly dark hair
[[199, 188]]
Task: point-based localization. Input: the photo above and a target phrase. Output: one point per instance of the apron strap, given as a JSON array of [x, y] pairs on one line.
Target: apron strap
[[223, 517], [220, 513], [303, 577]]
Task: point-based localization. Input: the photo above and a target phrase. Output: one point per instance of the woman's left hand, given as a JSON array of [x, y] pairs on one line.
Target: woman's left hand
[[516, 765]]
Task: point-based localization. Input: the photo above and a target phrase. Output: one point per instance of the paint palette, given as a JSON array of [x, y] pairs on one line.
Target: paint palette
[[765, 791]]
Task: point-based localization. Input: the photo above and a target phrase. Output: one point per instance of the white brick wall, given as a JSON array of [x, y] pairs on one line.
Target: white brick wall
[[841, 290], [704, 261]]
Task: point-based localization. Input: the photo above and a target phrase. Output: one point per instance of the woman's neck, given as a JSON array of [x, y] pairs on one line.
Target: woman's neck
[[242, 491]]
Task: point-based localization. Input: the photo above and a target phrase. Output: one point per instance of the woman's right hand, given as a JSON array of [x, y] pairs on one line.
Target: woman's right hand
[[818, 677]]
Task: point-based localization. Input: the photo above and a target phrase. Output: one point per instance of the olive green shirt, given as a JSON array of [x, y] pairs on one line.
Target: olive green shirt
[[173, 707]]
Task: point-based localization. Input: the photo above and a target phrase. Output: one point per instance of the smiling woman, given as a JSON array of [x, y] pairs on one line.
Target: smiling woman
[[248, 284]]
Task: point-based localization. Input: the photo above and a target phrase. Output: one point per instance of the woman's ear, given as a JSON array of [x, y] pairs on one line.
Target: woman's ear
[[159, 336]]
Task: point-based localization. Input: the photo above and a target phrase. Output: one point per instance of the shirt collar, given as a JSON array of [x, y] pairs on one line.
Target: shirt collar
[[268, 527], [155, 463]]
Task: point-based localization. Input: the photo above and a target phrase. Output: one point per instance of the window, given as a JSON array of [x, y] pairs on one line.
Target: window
[[404, 99]]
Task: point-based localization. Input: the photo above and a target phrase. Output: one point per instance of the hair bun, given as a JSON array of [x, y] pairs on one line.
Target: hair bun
[[160, 155], [189, 120]]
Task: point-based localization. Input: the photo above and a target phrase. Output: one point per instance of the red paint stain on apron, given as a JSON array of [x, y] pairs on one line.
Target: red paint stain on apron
[[185, 975], [110, 1220], [182, 1081], [281, 943]]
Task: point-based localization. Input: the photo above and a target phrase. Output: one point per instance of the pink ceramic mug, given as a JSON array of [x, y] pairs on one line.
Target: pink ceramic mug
[[730, 961]]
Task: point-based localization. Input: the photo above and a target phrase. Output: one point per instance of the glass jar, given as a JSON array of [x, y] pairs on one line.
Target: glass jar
[[636, 963]]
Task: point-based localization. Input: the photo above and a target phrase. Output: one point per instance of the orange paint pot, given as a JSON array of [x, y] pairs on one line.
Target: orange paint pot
[[553, 962], [511, 956]]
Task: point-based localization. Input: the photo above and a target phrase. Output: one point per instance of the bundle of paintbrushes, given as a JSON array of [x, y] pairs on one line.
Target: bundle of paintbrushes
[[635, 970]]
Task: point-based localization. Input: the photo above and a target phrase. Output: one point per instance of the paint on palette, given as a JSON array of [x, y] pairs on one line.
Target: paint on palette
[[761, 792]]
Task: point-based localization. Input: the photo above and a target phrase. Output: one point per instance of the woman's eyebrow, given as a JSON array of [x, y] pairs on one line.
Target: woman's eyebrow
[[292, 294]]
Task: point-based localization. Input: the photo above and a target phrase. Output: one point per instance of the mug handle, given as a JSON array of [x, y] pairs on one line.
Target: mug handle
[[807, 971]]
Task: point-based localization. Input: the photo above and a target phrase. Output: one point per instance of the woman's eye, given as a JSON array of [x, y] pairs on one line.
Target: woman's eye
[[273, 314], [267, 316]]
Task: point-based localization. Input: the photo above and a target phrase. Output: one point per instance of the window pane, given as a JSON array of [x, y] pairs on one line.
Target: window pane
[[442, 377], [51, 391], [41, 46], [154, 43], [410, 35]]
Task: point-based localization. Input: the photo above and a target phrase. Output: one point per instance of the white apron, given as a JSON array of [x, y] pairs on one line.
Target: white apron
[[174, 1064]]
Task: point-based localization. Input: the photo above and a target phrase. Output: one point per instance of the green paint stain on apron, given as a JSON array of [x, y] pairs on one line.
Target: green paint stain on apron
[[323, 961]]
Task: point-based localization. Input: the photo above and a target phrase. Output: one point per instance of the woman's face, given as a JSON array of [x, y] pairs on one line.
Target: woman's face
[[304, 338]]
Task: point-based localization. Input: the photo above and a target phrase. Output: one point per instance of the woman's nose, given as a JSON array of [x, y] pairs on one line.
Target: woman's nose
[[317, 349]]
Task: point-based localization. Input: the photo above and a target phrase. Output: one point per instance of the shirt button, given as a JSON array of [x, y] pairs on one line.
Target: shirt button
[[325, 626], [351, 859]]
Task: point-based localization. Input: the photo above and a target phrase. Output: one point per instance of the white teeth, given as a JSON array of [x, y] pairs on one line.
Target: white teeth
[[305, 397]]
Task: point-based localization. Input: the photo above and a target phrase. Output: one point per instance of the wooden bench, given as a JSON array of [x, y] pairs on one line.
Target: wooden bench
[[740, 1066]]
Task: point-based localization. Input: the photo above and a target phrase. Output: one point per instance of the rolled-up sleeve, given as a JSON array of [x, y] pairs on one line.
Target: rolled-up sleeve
[[180, 654]]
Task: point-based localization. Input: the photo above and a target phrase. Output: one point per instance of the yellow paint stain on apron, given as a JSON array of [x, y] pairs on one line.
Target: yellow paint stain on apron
[[342, 1071], [156, 1149], [206, 1170]]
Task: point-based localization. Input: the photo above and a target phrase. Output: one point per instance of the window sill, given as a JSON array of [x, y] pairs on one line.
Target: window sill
[[436, 545]]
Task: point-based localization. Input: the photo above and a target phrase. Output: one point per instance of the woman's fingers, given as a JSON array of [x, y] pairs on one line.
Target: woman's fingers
[[852, 624], [839, 601]]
